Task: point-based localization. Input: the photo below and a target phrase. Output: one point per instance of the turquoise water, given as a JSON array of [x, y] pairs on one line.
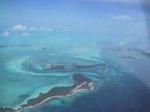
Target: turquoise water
[[22, 76]]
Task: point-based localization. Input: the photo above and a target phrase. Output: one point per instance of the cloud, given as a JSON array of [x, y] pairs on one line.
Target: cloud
[[122, 17], [6, 33], [19, 27], [26, 34], [25, 28]]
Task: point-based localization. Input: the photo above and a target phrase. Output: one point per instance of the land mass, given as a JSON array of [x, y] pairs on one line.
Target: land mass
[[73, 66], [79, 82]]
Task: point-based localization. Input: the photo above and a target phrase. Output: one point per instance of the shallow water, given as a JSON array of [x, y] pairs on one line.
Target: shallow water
[[23, 73]]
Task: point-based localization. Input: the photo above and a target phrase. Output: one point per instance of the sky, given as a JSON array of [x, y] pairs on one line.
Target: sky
[[106, 17]]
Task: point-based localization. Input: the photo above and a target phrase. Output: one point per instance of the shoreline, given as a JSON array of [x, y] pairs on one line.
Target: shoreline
[[79, 82]]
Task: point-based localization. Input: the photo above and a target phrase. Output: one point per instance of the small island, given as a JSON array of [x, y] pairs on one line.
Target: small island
[[7, 109], [79, 82], [62, 67]]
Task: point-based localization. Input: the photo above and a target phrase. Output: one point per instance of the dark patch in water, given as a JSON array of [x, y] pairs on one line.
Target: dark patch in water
[[24, 96]]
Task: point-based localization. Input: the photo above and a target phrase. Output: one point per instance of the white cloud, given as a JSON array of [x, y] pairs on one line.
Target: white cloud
[[26, 34], [19, 27], [122, 17], [6, 33]]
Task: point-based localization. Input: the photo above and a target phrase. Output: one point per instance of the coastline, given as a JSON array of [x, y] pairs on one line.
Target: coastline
[[79, 82]]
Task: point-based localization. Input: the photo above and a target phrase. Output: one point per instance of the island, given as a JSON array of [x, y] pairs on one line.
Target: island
[[79, 82], [62, 67]]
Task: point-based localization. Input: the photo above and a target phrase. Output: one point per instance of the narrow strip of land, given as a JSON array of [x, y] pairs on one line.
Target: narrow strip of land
[[79, 82]]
